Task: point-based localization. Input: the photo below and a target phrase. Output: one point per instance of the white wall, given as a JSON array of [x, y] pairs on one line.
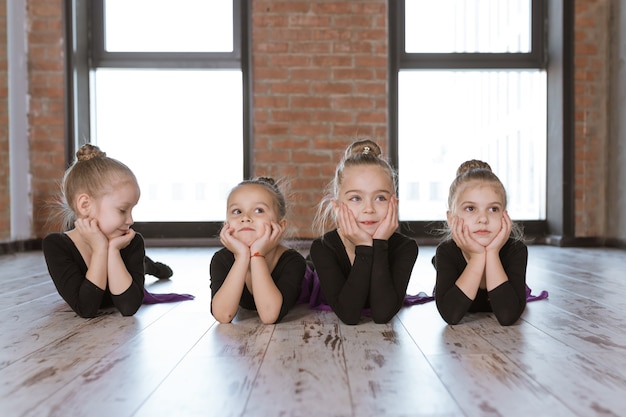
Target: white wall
[[616, 192], [21, 201]]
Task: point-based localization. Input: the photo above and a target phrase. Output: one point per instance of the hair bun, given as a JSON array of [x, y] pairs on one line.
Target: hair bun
[[472, 164], [89, 151], [363, 147], [267, 180]]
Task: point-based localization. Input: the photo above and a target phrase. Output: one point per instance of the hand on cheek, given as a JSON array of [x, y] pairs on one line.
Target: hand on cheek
[[270, 239], [237, 247], [121, 242], [503, 235], [389, 224], [90, 232], [349, 227], [463, 238]]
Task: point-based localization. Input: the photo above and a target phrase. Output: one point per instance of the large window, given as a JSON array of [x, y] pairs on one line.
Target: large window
[[167, 95], [470, 83]]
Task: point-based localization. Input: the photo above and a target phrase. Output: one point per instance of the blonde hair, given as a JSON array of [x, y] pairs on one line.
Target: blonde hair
[[94, 174], [360, 153], [473, 171]]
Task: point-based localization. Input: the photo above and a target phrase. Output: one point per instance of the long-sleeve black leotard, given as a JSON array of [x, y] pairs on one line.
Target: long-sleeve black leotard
[[287, 276], [507, 300], [68, 271], [377, 280]]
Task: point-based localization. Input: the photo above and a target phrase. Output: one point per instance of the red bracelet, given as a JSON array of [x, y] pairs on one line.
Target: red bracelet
[[257, 254]]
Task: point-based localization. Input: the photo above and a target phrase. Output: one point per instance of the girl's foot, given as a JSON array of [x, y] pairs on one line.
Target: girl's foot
[[157, 269]]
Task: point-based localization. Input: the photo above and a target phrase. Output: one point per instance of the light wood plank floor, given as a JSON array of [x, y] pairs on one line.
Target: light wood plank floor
[[566, 356]]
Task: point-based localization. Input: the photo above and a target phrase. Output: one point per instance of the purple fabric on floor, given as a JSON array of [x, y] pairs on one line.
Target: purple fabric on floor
[[542, 295], [150, 298], [419, 298]]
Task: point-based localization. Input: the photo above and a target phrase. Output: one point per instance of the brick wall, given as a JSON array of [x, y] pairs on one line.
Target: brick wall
[[320, 81], [592, 71], [46, 82], [5, 213]]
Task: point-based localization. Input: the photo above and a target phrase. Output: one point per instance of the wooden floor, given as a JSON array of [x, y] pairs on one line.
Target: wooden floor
[[566, 357]]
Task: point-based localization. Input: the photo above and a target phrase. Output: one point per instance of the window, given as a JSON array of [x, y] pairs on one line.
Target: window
[[167, 95], [470, 82]]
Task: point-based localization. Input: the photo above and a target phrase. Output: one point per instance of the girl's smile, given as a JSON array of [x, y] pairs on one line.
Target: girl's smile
[[368, 223], [114, 209]]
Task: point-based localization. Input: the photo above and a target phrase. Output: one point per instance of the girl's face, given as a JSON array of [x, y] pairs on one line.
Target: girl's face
[[366, 190], [481, 206], [250, 208], [113, 210]]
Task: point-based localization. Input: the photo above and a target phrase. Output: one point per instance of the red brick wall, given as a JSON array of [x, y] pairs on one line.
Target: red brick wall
[[46, 55], [5, 201], [592, 58], [320, 81]]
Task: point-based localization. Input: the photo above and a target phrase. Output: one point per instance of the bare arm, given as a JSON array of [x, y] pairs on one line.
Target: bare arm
[[494, 271], [267, 297], [470, 278], [90, 233], [118, 276], [225, 302]]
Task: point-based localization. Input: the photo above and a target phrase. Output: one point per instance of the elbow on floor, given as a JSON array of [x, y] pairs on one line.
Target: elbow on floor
[[88, 315], [269, 320], [351, 321], [225, 319], [379, 319], [507, 321], [129, 312]]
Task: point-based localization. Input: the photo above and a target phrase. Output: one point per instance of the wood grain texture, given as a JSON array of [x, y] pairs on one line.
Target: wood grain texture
[[565, 356]]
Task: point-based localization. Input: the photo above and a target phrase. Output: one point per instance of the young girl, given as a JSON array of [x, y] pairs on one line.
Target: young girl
[[363, 263], [254, 270], [481, 266], [99, 263]]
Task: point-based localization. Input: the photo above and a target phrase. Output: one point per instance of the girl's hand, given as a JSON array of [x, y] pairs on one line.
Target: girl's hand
[[90, 232], [121, 242], [350, 229], [390, 223], [503, 235], [463, 239], [236, 246], [270, 239]]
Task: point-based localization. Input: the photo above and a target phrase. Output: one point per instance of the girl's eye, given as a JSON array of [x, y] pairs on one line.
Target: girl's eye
[[381, 198], [494, 209], [469, 208], [236, 211], [355, 198], [259, 211]]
